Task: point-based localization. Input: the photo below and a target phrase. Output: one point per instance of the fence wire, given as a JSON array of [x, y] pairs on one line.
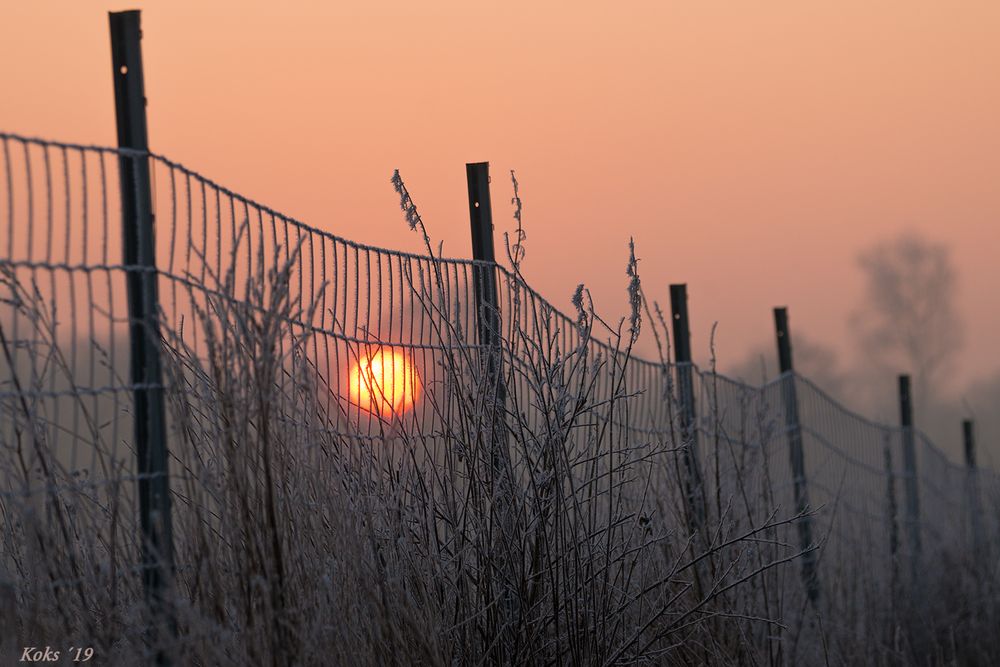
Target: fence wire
[[66, 401]]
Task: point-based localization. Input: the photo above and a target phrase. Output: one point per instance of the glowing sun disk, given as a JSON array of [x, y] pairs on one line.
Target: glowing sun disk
[[384, 382]]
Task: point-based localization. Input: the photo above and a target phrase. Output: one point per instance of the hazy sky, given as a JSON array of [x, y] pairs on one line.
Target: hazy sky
[[751, 148]]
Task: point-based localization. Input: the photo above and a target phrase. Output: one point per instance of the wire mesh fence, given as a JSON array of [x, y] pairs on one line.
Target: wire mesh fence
[[379, 350]]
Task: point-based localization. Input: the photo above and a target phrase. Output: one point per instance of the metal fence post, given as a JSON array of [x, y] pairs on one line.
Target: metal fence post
[[143, 305], [484, 276], [795, 452], [694, 486], [891, 509], [910, 470], [972, 485]]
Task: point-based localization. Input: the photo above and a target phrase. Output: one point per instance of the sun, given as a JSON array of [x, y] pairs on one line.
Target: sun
[[384, 382]]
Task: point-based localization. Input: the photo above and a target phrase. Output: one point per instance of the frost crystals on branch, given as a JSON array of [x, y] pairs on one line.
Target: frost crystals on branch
[[408, 207], [517, 254], [634, 292]]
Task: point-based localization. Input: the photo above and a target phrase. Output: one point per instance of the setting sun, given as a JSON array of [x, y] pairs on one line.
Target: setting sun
[[384, 382]]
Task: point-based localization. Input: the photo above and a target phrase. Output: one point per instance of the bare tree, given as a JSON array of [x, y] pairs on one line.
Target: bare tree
[[907, 322]]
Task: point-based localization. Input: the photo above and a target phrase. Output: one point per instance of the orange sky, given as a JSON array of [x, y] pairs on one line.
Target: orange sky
[[752, 148]]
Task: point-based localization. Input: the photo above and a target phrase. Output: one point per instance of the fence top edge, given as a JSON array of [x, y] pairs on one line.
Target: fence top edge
[[502, 270], [285, 219]]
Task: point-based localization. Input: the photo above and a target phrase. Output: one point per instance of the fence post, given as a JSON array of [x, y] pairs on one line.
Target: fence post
[[795, 453], [144, 334], [972, 485], [484, 276], [910, 470], [685, 390], [484, 280], [893, 514]]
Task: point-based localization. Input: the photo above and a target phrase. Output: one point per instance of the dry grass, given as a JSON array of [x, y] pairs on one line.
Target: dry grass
[[535, 527]]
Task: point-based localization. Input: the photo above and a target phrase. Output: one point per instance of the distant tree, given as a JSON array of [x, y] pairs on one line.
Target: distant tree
[[907, 322]]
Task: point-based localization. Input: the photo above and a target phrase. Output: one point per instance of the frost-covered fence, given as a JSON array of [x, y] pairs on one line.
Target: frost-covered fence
[[66, 396]]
